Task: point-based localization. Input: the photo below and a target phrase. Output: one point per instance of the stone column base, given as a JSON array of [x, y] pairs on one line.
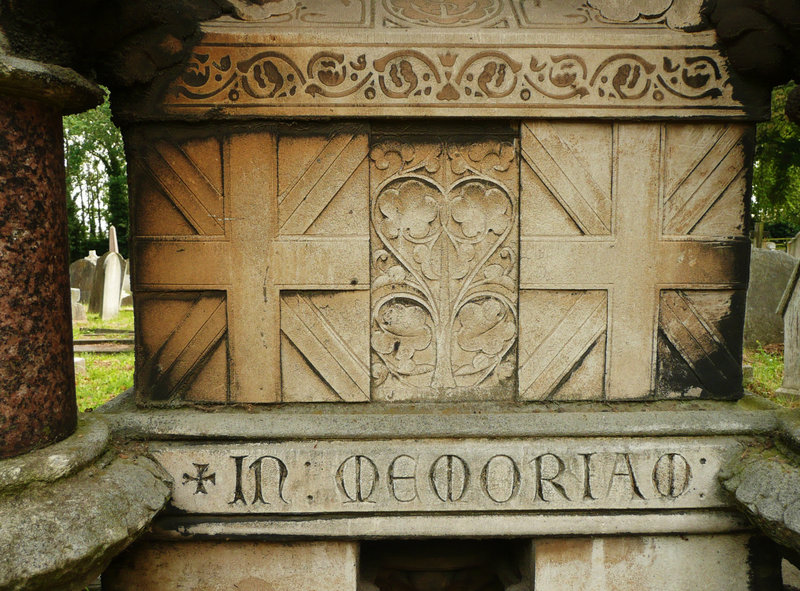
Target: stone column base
[[67, 509]]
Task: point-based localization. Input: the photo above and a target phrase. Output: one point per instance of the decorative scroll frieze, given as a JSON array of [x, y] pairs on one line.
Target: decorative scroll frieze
[[306, 80]]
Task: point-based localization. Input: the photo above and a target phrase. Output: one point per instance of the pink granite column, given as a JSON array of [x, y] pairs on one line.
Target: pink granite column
[[37, 384]]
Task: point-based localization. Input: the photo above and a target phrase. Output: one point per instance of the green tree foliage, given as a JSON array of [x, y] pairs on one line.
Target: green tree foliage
[[97, 189], [776, 177]]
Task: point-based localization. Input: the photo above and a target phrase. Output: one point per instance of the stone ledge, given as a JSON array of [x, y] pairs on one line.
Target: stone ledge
[[62, 530], [748, 417], [765, 484], [58, 460], [62, 87]]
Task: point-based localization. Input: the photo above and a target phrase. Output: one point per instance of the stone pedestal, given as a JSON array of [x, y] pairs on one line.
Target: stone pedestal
[[476, 269]]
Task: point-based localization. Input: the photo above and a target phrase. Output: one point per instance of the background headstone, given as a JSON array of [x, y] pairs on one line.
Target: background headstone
[[81, 276], [78, 311], [113, 245], [80, 366], [793, 248], [790, 309], [126, 298], [769, 273], [107, 286]]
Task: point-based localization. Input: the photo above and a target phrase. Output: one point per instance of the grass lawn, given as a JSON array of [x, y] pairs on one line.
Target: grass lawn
[[106, 374], [767, 365], [123, 322]]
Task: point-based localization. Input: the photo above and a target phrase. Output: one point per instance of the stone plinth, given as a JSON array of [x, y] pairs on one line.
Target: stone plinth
[[645, 563], [465, 217], [241, 565]]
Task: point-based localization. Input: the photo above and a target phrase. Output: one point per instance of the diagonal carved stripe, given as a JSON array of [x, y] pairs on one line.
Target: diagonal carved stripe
[[703, 184], [563, 349], [699, 344], [325, 350], [187, 187], [566, 178], [316, 187], [187, 348]]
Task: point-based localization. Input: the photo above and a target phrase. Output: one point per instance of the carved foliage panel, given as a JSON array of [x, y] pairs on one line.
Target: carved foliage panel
[[457, 14], [444, 251]]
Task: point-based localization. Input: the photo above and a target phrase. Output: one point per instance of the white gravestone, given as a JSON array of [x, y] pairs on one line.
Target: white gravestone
[[107, 286]]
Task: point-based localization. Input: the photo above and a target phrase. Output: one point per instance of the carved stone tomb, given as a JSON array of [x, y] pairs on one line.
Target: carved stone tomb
[[463, 216]]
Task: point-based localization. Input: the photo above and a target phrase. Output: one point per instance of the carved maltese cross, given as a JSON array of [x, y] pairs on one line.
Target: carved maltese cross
[[201, 478]]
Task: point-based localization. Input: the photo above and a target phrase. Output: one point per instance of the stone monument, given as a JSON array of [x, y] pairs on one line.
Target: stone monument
[[789, 308], [463, 275]]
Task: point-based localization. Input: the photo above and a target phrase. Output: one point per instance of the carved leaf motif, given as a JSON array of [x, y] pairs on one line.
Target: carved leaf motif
[[403, 329], [626, 11], [487, 326], [482, 158], [394, 157]]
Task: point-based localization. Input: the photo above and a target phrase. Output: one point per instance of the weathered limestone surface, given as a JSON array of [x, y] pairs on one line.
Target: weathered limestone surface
[[612, 290], [240, 565], [68, 509], [305, 231], [764, 481], [655, 563], [412, 470], [388, 61]]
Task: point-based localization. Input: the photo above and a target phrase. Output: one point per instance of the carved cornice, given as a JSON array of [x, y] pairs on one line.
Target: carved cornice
[[381, 79]]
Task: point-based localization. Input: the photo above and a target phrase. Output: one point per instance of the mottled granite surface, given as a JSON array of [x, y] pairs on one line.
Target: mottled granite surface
[[37, 386]]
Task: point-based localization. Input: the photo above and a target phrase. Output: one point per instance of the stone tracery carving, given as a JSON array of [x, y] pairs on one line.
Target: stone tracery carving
[[444, 267], [453, 13]]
